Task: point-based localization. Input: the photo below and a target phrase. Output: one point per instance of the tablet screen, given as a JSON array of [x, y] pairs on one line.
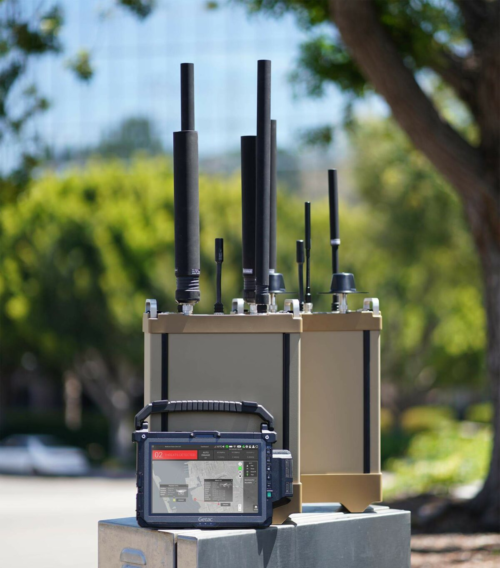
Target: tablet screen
[[197, 478]]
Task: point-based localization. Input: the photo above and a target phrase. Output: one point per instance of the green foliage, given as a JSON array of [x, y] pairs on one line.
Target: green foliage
[[419, 418], [393, 443], [439, 459], [420, 261], [324, 60], [141, 8], [319, 137], [81, 66], [480, 413], [136, 134]]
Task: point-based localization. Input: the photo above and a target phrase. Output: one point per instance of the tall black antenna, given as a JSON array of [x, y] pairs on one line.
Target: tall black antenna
[[187, 96], [248, 190], [273, 212], [263, 168], [276, 280], [334, 228], [186, 199], [308, 296]]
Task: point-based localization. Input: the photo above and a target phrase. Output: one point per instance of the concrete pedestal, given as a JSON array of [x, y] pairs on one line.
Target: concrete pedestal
[[320, 537]]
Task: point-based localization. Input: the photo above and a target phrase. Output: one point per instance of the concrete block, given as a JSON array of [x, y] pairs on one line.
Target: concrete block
[[323, 536]]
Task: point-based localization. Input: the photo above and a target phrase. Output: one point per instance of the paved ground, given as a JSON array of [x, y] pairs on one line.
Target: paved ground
[[453, 550], [52, 523]]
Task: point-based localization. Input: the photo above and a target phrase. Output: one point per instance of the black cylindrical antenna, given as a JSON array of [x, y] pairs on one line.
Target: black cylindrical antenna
[[300, 255], [334, 219], [273, 212], [334, 228], [276, 280], [308, 296], [187, 96], [342, 283], [263, 168], [186, 199], [248, 188], [219, 259]]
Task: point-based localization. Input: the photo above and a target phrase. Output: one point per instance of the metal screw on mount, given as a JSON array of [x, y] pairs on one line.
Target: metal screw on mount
[[300, 263], [219, 259], [308, 306], [151, 308]]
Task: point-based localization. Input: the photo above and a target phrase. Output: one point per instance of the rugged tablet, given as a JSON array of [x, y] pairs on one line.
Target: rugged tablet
[[209, 479]]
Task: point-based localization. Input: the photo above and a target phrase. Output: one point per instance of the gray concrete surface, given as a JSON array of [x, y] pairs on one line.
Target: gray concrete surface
[[325, 537], [52, 523]]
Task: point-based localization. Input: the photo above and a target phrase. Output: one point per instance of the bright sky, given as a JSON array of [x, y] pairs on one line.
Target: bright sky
[[137, 73]]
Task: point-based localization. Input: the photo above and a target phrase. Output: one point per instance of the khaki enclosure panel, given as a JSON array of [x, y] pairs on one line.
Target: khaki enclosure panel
[[226, 367], [331, 438], [332, 397], [152, 375]]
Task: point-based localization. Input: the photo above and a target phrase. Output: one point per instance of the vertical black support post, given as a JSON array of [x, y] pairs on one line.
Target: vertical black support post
[[334, 228], [286, 391], [263, 167], [186, 198], [164, 379], [366, 403], [219, 259], [273, 214], [248, 196]]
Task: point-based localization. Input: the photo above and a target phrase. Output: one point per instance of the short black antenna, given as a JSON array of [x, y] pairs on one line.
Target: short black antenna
[[342, 282], [308, 296], [219, 259], [186, 199], [300, 256]]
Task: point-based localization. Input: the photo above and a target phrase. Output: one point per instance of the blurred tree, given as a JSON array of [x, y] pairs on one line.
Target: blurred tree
[[419, 257], [29, 31], [132, 135], [385, 45], [81, 252]]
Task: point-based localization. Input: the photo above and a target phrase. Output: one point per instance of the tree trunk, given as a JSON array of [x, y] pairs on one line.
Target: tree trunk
[[486, 504], [120, 436], [474, 173], [111, 397]]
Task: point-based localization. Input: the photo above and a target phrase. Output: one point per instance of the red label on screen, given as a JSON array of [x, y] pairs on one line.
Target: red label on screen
[[175, 454]]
